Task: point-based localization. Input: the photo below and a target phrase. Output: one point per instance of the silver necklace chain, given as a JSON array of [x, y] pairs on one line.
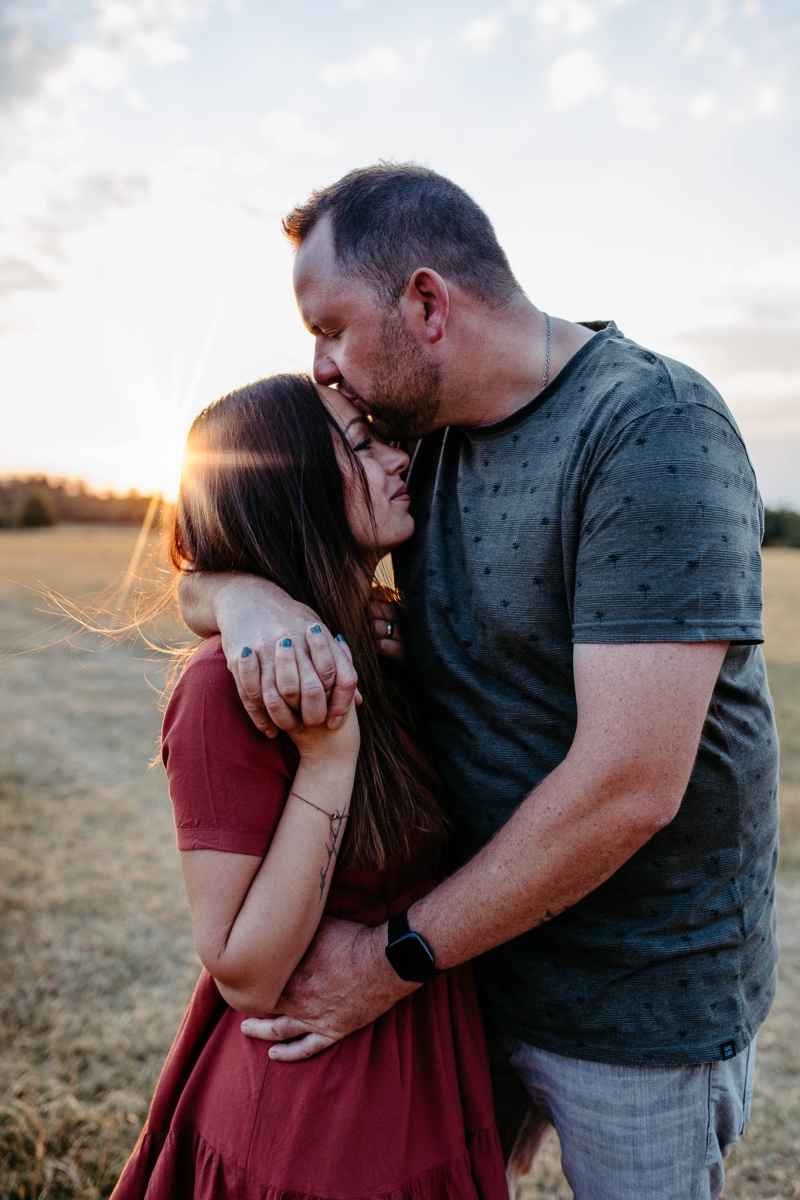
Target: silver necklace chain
[[547, 352]]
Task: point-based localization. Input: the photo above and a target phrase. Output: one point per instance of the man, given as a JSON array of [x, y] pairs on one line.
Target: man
[[582, 620]]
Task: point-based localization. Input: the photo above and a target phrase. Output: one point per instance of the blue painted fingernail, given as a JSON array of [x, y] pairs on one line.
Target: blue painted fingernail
[[286, 643], [340, 637], [316, 629], [246, 652]]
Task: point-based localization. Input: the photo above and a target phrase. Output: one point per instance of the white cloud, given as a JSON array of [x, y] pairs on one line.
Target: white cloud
[[128, 31], [768, 101], [703, 105], [635, 108], [88, 66], [571, 17], [761, 103], [249, 163], [751, 8], [718, 13], [575, 78], [379, 64], [287, 130], [147, 28], [484, 34], [202, 158]]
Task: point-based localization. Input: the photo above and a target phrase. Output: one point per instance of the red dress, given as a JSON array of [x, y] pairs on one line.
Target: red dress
[[399, 1110]]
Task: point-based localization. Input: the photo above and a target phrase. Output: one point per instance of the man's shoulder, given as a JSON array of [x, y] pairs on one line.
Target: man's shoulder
[[623, 381]]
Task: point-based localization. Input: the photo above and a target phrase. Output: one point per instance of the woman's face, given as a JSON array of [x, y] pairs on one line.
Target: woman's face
[[382, 469]]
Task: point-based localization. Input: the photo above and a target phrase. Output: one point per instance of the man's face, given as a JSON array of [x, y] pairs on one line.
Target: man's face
[[363, 346]]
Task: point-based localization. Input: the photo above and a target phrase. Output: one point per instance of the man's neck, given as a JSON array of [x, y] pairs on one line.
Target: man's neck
[[501, 360]]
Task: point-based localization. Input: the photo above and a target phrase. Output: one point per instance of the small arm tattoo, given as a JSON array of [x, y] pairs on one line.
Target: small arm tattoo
[[331, 849]]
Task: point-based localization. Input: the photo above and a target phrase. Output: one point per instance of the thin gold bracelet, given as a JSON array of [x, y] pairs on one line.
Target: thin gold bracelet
[[335, 816]]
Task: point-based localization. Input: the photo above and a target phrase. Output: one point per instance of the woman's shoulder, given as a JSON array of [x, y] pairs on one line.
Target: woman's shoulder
[[205, 719], [227, 781], [205, 682], [206, 665]]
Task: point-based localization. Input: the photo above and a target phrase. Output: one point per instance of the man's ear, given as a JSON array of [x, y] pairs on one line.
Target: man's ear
[[426, 302]]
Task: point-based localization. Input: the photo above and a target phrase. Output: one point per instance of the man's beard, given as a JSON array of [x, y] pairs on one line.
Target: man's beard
[[406, 390]]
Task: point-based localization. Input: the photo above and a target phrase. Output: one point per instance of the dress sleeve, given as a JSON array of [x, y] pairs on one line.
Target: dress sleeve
[[670, 533], [227, 782]]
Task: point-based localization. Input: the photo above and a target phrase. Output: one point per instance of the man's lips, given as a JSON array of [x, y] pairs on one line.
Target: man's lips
[[353, 397]]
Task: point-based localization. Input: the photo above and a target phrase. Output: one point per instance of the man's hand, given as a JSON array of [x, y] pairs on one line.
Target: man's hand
[[253, 615], [343, 983]]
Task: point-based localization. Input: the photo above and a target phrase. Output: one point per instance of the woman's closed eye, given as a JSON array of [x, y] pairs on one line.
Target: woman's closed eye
[[364, 444]]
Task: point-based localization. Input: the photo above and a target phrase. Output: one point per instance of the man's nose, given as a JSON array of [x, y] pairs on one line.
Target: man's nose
[[325, 369]]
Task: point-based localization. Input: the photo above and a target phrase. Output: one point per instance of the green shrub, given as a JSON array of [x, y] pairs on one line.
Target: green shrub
[[35, 510], [781, 527]]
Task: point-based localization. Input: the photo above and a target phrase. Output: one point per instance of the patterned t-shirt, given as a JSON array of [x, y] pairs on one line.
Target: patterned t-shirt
[[618, 506]]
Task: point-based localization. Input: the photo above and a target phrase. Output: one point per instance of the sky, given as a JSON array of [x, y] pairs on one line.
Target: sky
[[638, 158]]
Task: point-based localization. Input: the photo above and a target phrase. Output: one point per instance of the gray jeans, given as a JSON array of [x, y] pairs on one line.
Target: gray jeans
[[633, 1133]]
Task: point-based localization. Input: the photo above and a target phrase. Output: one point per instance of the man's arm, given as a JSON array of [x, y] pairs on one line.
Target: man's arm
[[641, 710], [238, 605]]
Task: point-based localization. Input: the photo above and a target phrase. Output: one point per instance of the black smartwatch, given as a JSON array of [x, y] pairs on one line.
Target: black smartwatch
[[409, 954]]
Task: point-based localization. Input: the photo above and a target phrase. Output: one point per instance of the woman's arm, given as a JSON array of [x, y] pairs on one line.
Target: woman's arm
[[253, 919]]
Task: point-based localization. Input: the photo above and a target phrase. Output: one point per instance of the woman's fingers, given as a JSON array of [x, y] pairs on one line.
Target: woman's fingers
[[390, 647], [385, 629], [246, 671], [287, 676], [281, 713], [382, 610], [297, 681], [345, 690], [317, 671]]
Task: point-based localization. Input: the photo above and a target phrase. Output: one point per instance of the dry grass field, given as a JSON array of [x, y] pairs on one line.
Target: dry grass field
[[96, 950]]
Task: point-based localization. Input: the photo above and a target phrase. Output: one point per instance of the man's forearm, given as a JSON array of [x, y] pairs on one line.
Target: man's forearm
[[562, 843], [641, 710]]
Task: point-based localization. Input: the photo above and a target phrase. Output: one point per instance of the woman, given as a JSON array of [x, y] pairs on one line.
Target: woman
[[284, 479]]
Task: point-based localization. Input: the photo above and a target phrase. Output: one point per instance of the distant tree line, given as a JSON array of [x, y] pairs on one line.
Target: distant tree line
[[781, 527], [35, 500]]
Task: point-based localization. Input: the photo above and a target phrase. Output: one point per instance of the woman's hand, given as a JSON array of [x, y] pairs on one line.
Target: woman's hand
[[386, 629], [318, 744], [251, 613]]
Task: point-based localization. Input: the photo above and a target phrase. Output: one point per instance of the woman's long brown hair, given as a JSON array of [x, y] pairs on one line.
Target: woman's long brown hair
[[262, 492]]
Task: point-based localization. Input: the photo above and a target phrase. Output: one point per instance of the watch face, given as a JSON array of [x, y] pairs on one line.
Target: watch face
[[410, 957]]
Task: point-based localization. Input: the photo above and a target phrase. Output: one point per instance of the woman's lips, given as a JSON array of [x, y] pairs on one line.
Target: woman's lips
[[401, 494]]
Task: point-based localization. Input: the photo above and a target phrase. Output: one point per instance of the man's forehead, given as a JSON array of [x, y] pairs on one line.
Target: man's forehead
[[315, 261], [321, 289]]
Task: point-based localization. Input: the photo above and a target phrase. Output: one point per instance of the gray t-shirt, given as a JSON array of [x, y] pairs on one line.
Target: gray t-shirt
[[618, 506]]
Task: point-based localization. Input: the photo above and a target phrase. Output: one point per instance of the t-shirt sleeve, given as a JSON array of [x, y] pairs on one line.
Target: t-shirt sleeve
[[670, 534], [227, 782]]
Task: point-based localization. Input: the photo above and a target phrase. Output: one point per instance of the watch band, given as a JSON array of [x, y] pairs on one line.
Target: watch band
[[398, 926], [409, 954]]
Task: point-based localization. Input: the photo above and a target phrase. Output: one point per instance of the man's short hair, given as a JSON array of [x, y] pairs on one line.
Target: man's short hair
[[391, 218]]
